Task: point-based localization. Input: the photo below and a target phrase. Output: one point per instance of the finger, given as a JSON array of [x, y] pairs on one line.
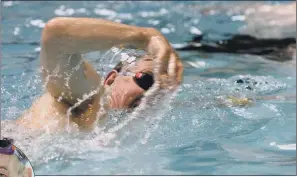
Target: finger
[[172, 69], [159, 75], [165, 56], [154, 45], [178, 69], [179, 72], [161, 64]]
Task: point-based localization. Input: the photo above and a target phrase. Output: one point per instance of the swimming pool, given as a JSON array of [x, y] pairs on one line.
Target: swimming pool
[[195, 135]]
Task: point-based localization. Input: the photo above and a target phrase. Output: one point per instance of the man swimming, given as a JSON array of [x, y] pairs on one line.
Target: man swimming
[[69, 79], [272, 36]]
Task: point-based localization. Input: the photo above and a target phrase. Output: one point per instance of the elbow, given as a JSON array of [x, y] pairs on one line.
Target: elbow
[[53, 30], [154, 31]]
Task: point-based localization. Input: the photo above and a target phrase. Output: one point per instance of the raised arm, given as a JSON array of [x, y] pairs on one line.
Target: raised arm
[[82, 35], [64, 39]]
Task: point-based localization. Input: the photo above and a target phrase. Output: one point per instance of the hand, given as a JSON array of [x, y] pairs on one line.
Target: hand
[[167, 66]]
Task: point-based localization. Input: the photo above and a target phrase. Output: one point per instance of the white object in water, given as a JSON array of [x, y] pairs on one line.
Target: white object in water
[[284, 146]]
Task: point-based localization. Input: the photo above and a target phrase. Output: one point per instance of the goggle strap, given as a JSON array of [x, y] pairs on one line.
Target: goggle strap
[[7, 150], [21, 156], [10, 150]]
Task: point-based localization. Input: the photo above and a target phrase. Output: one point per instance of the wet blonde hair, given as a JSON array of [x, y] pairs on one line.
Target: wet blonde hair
[[124, 67]]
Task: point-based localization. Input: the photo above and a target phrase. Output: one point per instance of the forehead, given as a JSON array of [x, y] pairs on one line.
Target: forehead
[[4, 160]]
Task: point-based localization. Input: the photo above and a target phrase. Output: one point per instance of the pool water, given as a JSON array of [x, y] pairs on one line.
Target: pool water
[[195, 131]]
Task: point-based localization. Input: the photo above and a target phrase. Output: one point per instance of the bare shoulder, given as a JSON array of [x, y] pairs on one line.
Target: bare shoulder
[[44, 111]]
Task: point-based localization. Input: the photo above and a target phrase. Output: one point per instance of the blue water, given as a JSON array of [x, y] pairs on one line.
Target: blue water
[[199, 134]]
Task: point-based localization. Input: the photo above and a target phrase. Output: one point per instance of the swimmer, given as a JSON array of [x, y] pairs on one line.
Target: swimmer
[[269, 31], [68, 78], [12, 161]]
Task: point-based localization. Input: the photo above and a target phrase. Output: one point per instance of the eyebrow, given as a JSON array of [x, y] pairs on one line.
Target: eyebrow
[[3, 168]]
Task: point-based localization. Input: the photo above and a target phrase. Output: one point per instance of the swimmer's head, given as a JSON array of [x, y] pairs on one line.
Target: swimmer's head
[[128, 81], [12, 161]]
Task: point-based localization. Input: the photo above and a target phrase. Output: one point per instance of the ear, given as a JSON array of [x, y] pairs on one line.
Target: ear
[[110, 77]]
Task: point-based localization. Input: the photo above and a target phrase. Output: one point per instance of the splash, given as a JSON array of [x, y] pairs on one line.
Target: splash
[[122, 129]]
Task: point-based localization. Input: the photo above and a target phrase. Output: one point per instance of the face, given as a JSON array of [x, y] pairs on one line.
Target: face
[[4, 161], [124, 92], [10, 167]]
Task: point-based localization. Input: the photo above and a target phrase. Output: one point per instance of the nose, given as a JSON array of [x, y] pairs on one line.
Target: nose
[[120, 98], [117, 100], [123, 92]]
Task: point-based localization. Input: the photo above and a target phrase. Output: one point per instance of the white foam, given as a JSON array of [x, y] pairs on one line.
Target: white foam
[[267, 21], [271, 107], [284, 146], [165, 30], [105, 12], [197, 64], [287, 147], [127, 16], [153, 14], [16, 31], [62, 11], [238, 18], [7, 3], [163, 11], [38, 23], [179, 45], [81, 10], [153, 22], [195, 30], [37, 49]]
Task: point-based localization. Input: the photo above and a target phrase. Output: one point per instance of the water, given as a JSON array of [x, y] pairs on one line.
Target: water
[[199, 132]]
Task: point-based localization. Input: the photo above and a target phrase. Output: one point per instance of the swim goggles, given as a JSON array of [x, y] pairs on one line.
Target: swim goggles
[[143, 79], [7, 148]]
